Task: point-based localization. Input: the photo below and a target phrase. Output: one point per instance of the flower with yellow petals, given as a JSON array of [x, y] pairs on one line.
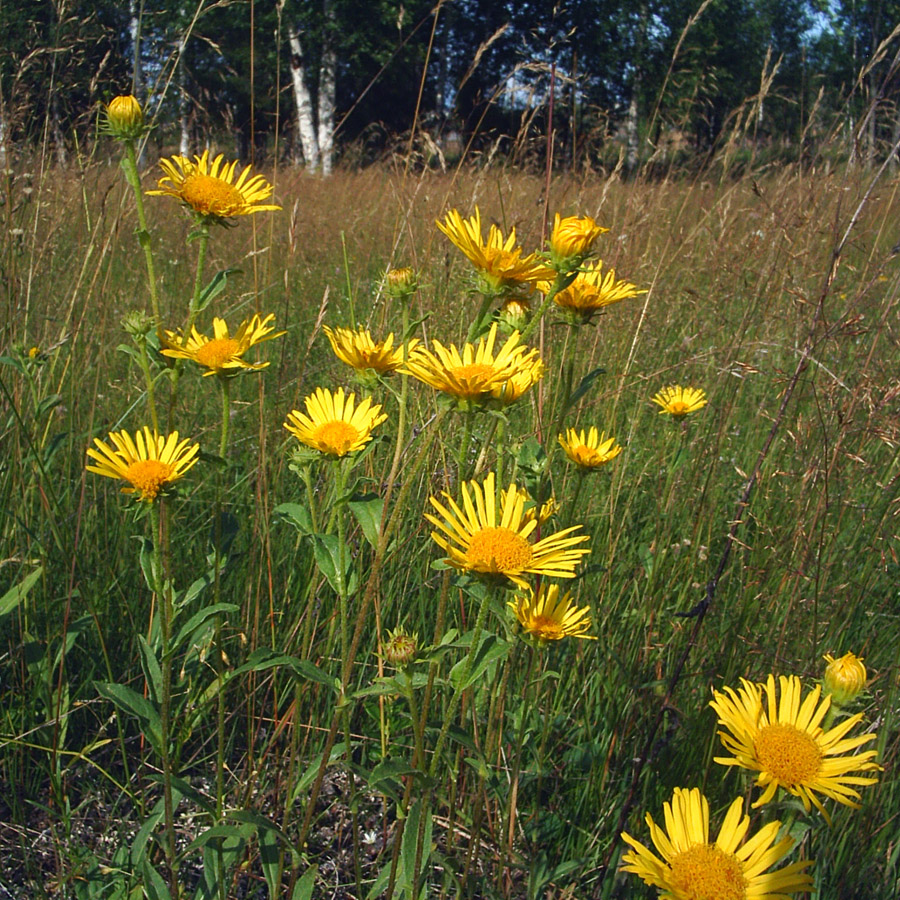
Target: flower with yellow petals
[[844, 678], [358, 350], [548, 509], [124, 117], [474, 373], [148, 461], [223, 354], [209, 187], [499, 260], [782, 739], [678, 401], [572, 239], [518, 383], [591, 292], [491, 536], [333, 424], [730, 868], [548, 617], [589, 450], [401, 283]]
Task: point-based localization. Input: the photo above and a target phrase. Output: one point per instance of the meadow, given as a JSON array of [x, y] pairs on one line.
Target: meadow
[[202, 693]]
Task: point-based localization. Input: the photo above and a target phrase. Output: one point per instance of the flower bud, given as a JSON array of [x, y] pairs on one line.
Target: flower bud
[[514, 314], [401, 283], [400, 648], [137, 323], [844, 678], [571, 240], [124, 117]]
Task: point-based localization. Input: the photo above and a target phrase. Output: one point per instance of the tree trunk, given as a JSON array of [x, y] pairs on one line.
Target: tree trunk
[[306, 129], [327, 73], [134, 32], [183, 101]]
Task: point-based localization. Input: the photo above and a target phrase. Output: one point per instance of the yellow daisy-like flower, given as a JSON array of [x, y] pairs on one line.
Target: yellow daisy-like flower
[[474, 373], [548, 509], [730, 868], [492, 539], [589, 450], [844, 678], [573, 238], [591, 291], [498, 260], [679, 401], [223, 353], [784, 742], [148, 461], [209, 187], [548, 617], [519, 383], [332, 425], [357, 349]]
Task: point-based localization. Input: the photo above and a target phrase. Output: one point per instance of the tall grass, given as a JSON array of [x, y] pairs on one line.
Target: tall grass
[[751, 292]]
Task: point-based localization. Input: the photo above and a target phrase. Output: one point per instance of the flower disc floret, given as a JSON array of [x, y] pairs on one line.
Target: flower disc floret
[[209, 187], [476, 371], [491, 536], [148, 461], [498, 260], [358, 350], [222, 354], [691, 867], [333, 424], [783, 741], [548, 617], [589, 450], [678, 401]]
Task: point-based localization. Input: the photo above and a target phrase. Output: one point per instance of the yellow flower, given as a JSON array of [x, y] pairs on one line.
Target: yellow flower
[[498, 260], [784, 742], [492, 539], [693, 868], [519, 382], [844, 678], [401, 283], [210, 189], [549, 617], [591, 291], [357, 349], [332, 425], [223, 353], [589, 451], [573, 238], [476, 372], [679, 401], [148, 461], [549, 508], [124, 117]]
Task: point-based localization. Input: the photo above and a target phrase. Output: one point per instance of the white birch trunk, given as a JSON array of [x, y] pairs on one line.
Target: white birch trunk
[[306, 129], [4, 154], [134, 32], [327, 76], [183, 105]]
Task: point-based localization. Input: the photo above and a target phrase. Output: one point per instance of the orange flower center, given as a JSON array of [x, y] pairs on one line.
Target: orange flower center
[[706, 872], [215, 353], [498, 550], [148, 476], [546, 629], [337, 437], [585, 456], [474, 377], [499, 261], [789, 754], [211, 196], [678, 407]]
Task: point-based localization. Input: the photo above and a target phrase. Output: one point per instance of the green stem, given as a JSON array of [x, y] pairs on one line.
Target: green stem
[[560, 283], [144, 362]]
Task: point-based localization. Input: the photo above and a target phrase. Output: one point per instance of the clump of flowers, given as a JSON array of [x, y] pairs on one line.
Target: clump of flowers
[[547, 616], [782, 740], [491, 536], [223, 353], [589, 450], [333, 424], [732, 867], [678, 401], [209, 188], [148, 461]]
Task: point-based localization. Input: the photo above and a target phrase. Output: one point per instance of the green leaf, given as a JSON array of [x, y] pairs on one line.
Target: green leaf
[[199, 619], [297, 515], [368, 509], [154, 886], [223, 847], [215, 287], [132, 702], [263, 659], [16, 594], [148, 564], [304, 887], [152, 671], [327, 550], [13, 363], [584, 386], [491, 650]]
